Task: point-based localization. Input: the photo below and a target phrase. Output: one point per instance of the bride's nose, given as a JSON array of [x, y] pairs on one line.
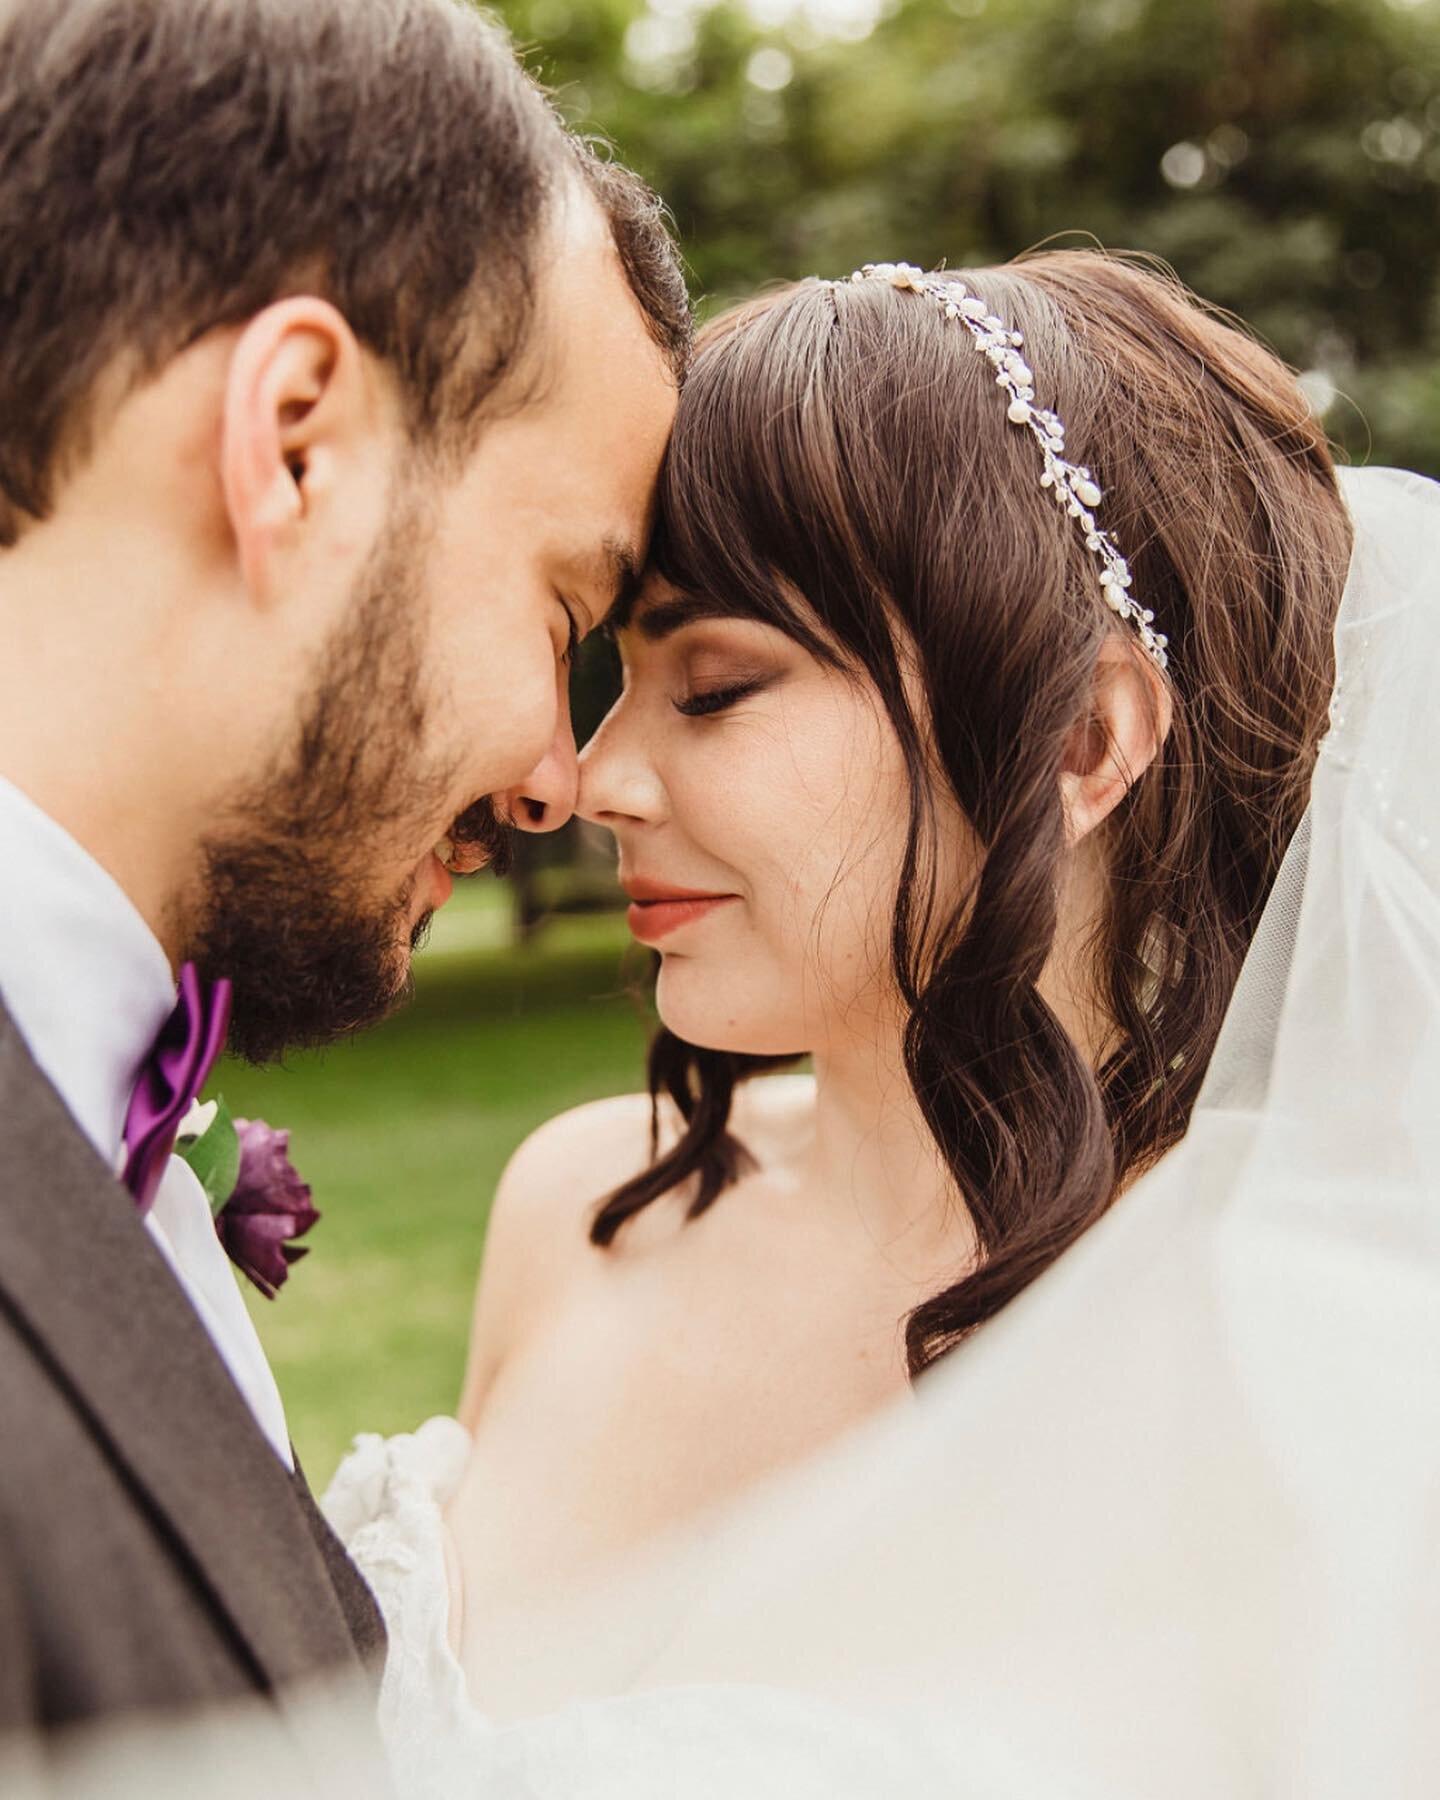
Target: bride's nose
[[618, 779]]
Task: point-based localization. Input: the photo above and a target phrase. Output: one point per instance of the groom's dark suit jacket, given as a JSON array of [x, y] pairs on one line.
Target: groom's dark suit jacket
[[154, 1552]]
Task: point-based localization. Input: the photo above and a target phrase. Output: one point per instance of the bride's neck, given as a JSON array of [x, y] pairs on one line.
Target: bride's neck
[[873, 1154]]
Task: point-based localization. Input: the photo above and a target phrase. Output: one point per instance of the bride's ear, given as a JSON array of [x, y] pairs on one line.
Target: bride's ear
[[1130, 713]]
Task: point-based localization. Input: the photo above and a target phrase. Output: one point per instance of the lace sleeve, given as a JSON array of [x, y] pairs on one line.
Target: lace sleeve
[[387, 1504]]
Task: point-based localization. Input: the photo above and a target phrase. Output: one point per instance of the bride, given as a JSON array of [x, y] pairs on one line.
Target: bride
[[975, 798], [987, 849]]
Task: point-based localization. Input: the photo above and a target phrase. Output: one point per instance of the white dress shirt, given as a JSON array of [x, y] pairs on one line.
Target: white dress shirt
[[89, 988]]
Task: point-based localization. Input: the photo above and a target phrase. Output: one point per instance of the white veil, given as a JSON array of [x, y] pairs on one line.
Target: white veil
[[1170, 1525]]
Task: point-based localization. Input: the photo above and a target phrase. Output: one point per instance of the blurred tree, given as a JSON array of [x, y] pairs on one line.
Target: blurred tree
[[1283, 155]]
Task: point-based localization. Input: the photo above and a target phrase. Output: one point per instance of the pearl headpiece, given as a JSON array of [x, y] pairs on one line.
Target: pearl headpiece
[[1074, 488]]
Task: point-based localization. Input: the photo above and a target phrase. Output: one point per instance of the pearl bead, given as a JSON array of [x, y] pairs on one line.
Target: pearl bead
[[1087, 493], [1019, 413]]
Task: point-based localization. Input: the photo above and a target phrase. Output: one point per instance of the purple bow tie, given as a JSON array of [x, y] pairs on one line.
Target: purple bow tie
[[171, 1080]]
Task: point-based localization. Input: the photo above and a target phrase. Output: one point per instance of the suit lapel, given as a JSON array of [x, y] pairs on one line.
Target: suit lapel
[[367, 1626], [78, 1267]]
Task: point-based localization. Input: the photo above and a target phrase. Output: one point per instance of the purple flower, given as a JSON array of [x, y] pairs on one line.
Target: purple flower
[[270, 1208]]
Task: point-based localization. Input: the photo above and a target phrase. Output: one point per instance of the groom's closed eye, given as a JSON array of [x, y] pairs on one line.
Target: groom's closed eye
[[573, 633]]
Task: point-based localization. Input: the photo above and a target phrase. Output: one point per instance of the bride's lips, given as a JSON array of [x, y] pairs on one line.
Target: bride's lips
[[659, 907]]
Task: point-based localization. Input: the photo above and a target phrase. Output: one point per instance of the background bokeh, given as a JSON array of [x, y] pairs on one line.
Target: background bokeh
[[1282, 155]]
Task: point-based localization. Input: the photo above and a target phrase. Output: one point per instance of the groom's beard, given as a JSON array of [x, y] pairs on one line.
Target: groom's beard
[[286, 915]]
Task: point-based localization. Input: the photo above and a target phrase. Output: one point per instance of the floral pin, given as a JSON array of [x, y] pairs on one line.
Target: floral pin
[[258, 1201]]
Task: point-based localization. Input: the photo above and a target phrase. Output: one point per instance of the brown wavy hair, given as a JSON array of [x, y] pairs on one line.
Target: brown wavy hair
[[842, 468]]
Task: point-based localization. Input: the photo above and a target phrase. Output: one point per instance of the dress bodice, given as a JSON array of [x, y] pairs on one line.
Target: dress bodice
[[720, 1742]]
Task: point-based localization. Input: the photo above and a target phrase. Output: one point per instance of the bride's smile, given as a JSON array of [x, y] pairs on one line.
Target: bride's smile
[[659, 908]]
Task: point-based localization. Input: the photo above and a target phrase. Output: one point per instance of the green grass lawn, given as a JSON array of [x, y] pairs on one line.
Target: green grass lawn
[[402, 1134]]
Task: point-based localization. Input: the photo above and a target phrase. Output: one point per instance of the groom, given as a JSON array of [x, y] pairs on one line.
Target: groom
[[334, 381]]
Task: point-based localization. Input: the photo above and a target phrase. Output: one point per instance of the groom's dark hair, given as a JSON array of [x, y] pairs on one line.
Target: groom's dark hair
[[170, 166]]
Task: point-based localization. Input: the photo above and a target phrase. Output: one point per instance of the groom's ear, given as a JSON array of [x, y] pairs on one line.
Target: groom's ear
[[299, 460], [1129, 720]]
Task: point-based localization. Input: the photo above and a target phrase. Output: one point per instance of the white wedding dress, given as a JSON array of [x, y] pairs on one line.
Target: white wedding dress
[[709, 1742], [1170, 1526]]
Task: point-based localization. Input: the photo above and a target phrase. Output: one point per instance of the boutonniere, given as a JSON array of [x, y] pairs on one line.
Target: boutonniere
[[259, 1204]]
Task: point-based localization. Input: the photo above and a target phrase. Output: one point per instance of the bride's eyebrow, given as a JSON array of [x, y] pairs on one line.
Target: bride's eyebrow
[[666, 617]]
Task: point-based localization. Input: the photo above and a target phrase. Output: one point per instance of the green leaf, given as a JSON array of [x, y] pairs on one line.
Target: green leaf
[[215, 1158]]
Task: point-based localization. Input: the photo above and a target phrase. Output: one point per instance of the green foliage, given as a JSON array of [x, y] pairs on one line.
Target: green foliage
[[1283, 155]]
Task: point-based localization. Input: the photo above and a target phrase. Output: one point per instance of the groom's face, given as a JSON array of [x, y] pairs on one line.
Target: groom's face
[[435, 714]]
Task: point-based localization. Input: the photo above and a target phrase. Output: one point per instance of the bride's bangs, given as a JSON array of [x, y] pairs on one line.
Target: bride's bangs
[[751, 502]]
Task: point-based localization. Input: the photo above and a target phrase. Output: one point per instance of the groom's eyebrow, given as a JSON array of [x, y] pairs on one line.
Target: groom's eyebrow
[[617, 581]]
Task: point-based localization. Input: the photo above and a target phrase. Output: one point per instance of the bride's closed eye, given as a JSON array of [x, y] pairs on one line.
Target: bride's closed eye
[[706, 701]]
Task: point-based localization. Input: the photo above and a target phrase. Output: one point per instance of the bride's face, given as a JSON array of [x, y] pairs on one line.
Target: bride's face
[[759, 800]]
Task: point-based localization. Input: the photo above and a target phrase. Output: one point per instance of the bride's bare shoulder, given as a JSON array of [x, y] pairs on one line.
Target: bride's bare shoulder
[[538, 1238], [565, 1168], [576, 1158], [562, 1171]]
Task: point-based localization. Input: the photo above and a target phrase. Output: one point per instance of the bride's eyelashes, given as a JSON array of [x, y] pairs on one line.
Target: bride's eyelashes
[[717, 699]]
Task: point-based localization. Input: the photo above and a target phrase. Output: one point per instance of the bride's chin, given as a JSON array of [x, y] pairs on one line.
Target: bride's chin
[[710, 1022]]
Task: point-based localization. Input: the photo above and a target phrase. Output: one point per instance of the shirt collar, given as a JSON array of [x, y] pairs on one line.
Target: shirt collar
[[84, 978]]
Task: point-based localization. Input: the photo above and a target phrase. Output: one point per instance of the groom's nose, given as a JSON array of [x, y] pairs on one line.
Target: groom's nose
[[545, 799]]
